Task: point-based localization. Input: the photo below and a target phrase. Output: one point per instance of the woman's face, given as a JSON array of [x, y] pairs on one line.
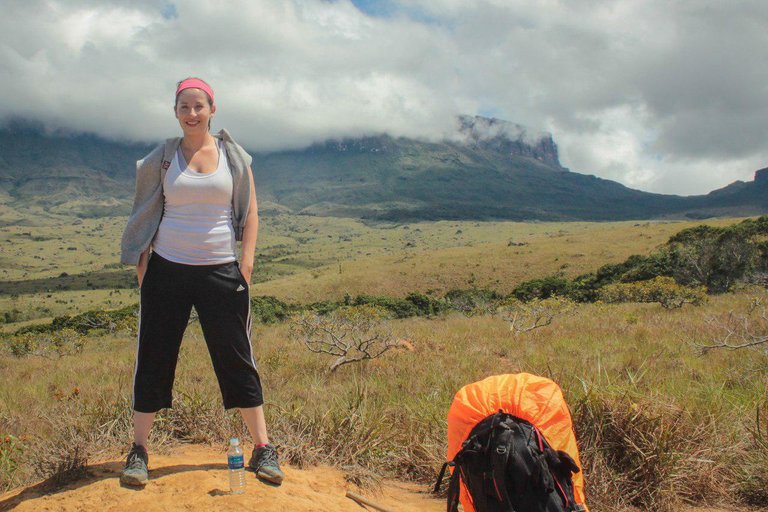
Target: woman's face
[[193, 111]]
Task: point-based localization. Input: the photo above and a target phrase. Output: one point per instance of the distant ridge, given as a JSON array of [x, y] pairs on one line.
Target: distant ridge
[[488, 169]]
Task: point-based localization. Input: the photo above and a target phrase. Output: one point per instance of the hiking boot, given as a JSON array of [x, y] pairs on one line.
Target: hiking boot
[[264, 463], [135, 472]]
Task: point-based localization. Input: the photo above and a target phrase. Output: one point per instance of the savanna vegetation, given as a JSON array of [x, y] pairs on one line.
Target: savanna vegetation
[[666, 409]]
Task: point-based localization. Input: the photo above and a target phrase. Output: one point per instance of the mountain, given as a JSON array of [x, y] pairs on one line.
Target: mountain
[[488, 169], [67, 173], [491, 169]]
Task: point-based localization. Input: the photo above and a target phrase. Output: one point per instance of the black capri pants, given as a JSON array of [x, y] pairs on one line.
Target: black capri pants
[[220, 296]]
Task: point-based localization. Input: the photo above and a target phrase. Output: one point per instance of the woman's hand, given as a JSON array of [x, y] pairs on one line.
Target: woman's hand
[[246, 270]]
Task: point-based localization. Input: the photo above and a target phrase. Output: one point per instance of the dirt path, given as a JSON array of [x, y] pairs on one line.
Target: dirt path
[[195, 478]]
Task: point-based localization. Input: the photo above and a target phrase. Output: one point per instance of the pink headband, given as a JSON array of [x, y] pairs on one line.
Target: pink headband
[[195, 83]]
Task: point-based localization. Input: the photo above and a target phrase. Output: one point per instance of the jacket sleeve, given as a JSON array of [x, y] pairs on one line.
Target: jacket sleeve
[[147, 208]]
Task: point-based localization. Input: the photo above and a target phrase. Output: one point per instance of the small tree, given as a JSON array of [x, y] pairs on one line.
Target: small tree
[[714, 257], [350, 333], [527, 316]]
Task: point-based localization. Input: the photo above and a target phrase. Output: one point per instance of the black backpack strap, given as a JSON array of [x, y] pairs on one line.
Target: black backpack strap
[[454, 490], [441, 475], [539, 452], [520, 462], [499, 460]]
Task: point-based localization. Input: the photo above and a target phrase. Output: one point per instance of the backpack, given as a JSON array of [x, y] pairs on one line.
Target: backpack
[[508, 466], [511, 448]]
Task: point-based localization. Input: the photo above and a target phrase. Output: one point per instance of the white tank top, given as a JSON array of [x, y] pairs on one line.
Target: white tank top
[[196, 228]]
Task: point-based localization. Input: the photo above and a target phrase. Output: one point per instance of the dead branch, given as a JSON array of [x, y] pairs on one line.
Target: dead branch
[[526, 316], [737, 330], [351, 334]]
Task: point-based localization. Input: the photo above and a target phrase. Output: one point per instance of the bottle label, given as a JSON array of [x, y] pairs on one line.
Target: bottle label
[[235, 461]]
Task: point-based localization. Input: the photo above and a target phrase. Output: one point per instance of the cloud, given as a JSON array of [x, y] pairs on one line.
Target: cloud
[[662, 96]]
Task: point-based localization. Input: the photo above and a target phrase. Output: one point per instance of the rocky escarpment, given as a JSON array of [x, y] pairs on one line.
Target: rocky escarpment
[[510, 139]]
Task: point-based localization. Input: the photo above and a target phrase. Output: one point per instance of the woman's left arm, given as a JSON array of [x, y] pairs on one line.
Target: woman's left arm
[[250, 232]]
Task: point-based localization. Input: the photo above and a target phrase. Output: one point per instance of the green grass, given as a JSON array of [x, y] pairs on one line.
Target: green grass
[[630, 372], [393, 408]]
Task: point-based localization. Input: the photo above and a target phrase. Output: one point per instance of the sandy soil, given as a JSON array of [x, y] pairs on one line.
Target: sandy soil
[[195, 478]]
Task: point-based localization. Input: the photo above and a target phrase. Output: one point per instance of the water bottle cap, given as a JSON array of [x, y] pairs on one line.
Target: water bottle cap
[[235, 441]]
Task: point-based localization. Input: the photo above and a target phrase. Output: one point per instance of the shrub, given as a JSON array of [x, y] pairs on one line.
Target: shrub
[[321, 308], [399, 308], [64, 342], [268, 310], [663, 290], [473, 300], [109, 321], [11, 316], [542, 288], [717, 257], [708, 256], [649, 267], [426, 305], [22, 345]]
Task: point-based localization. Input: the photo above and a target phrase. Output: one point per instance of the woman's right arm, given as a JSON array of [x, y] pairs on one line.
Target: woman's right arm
[[141, 267]]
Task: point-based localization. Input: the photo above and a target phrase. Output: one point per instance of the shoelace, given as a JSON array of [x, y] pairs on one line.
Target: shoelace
[[268, 458], [135, 461]]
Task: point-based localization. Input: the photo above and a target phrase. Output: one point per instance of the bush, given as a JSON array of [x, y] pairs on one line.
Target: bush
[[542, 288], [649, 267], [321, 308], [426, 305], [268, 310], [110, 321], [64, 342], [11, 316], [473, 300], [717, 257], [663, 290], [22, 345], [399, 308]]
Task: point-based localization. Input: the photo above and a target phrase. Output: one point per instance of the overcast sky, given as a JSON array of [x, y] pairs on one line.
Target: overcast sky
[[664, 96]]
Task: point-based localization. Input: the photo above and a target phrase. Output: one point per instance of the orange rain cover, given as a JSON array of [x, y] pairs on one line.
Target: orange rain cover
[[529, 397]]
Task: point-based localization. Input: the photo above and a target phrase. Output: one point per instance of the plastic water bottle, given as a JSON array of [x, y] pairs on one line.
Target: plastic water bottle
[[236, 463]]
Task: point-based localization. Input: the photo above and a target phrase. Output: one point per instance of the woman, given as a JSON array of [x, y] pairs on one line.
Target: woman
[[194, 198]]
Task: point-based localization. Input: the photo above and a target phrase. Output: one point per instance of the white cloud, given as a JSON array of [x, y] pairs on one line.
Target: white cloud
[[662, 96]]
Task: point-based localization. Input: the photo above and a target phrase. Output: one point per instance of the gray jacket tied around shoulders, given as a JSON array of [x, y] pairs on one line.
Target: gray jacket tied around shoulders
[[148, 204]]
